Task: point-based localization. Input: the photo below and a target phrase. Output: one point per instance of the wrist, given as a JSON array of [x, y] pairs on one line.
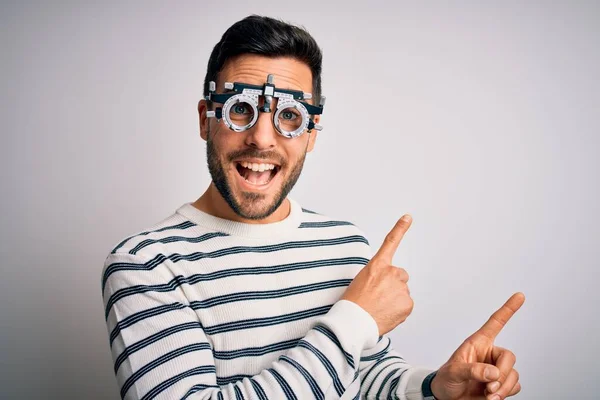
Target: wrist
[[436, 388], [428, 387]]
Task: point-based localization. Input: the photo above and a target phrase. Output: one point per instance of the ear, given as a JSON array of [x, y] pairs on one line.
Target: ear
[[203, 119], [312, 138]]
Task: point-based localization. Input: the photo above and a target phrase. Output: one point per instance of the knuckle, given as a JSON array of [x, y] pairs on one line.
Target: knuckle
[[402, 273], [517, 388], [373, 278], [391, 238], [499, 319], [373, 268], [411, 304], [470, 341], [377, 262]]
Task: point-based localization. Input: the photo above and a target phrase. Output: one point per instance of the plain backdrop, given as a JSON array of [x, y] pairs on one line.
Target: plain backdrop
[[481, 119]]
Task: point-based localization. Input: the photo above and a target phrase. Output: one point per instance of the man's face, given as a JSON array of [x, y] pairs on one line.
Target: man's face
[[232, 155]]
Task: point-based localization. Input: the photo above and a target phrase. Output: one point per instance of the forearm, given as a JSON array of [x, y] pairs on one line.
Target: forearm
[[160, 348], [383, 371], [325, 360]]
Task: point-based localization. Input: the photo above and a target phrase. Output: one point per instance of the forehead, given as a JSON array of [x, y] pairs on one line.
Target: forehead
[[288, 72]]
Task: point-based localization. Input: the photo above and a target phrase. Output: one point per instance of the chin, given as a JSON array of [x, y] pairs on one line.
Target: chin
[[251, 201], [255, 206]]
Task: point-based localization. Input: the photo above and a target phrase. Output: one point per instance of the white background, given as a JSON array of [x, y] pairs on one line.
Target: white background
[[478, 118]]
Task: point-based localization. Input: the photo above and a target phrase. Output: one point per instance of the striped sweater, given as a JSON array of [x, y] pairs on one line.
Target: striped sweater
[[199, 307]]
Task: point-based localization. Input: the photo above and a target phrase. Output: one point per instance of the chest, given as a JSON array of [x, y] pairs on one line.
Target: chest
[[254, 306]]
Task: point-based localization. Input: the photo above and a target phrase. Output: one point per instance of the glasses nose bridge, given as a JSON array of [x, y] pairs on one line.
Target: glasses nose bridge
[[262, 99], [270, 114], [265, 121]]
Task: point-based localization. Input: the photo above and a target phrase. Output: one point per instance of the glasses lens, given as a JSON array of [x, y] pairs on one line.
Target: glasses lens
[[290, 119], [241, 113]]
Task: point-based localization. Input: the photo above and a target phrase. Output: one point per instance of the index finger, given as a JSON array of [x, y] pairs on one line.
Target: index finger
[[498, 320], [393, 238]]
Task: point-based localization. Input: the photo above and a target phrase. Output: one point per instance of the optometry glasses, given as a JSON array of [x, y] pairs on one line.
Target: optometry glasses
[[240, 107]]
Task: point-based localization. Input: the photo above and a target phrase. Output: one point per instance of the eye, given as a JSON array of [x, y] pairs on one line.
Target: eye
[[240, 108], [288, 115]]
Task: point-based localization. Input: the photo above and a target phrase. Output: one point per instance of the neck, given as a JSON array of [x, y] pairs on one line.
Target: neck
[[211, 202]]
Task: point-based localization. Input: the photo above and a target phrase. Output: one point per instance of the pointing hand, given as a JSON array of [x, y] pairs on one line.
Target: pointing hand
[[478, 369], [380, 288]]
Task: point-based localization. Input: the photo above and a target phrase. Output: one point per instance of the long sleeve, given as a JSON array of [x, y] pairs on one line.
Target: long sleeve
[[383, 371], [161, 349]]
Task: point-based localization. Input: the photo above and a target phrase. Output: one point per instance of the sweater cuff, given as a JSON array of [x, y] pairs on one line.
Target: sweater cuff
[[360, 331], [410, 387]]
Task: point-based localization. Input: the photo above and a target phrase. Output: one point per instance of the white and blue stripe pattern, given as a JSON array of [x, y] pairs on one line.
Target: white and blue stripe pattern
[[202, 308]]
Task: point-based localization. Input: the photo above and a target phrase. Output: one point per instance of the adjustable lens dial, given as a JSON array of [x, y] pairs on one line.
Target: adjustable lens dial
[[240, 112], [291, 118]]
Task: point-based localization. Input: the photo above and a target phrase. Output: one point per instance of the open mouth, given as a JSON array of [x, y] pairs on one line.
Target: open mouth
[[257, 174]]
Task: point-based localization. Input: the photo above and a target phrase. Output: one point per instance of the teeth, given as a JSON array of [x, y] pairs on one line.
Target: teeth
[[257, 167]]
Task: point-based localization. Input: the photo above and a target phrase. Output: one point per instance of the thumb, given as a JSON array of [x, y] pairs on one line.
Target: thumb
[[480, 372]]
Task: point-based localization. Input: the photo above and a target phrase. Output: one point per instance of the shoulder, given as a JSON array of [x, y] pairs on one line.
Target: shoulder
[[144, 243], [159, 244], [313, 220], [147, 258], [142, 251]]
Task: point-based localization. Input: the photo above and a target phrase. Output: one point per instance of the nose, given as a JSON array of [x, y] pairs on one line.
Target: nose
[[262, 135]]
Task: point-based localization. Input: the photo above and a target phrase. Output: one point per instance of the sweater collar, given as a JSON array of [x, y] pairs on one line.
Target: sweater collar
[[235, 228]]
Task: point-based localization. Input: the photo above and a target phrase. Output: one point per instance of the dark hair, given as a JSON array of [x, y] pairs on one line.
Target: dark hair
[[267, 37]]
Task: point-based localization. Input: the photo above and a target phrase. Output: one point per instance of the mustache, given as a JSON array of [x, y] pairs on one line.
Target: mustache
[[254, 153]]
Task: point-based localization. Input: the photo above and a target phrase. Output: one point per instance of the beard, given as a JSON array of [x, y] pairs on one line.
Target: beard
[[251, 205]]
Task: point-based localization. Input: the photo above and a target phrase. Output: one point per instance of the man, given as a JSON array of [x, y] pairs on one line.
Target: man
[[243, 294]]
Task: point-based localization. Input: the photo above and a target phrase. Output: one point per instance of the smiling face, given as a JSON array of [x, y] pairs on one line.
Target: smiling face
[[253, 171]]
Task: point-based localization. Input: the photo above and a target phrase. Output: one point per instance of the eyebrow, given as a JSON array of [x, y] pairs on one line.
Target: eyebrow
[[288, 88], [276, 88]]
